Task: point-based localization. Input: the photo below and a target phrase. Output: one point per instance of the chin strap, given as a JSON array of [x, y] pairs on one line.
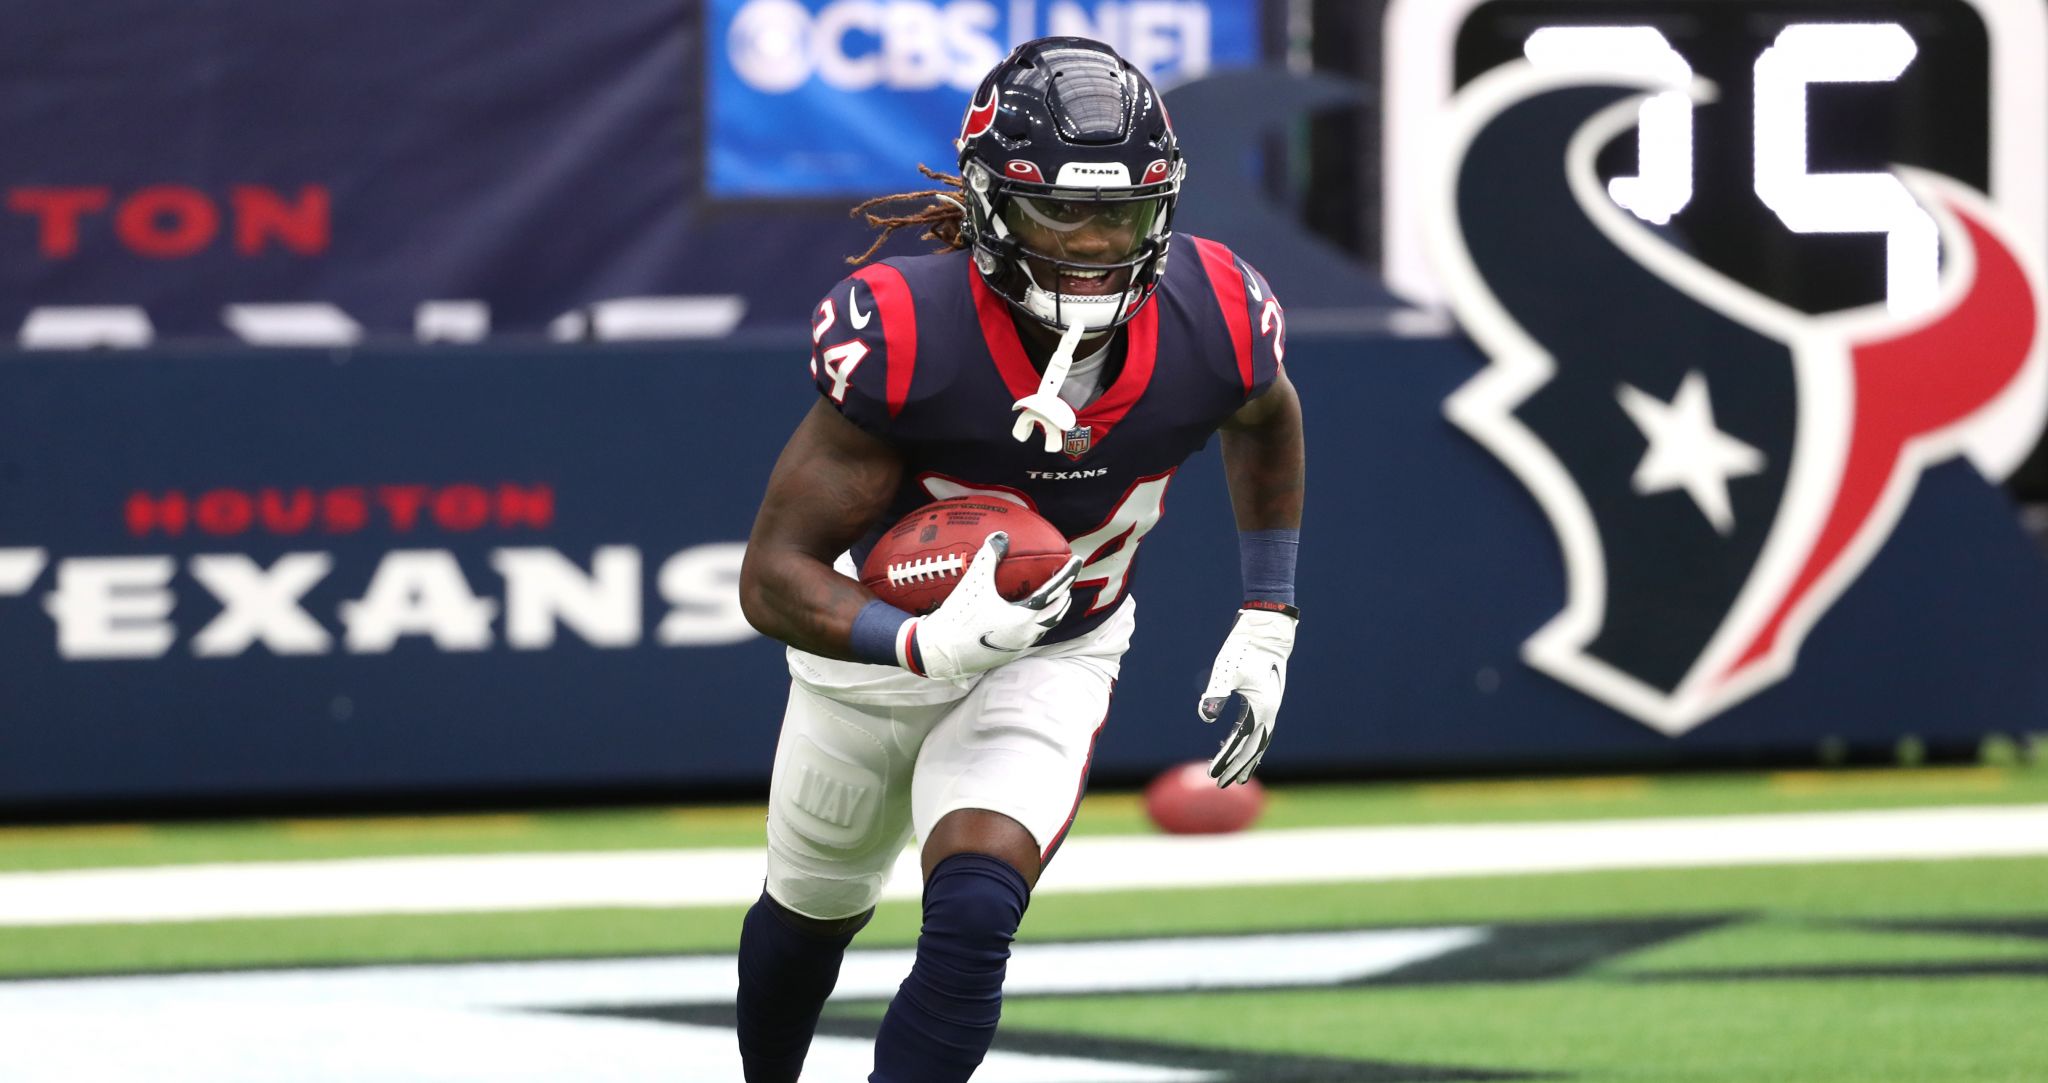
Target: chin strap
[[1044, 408]]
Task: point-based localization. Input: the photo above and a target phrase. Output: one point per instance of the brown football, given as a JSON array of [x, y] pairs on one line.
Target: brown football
[[920, 559], [1184, 800]]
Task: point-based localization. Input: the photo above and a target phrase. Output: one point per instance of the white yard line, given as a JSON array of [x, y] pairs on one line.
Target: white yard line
[[668, 878], [532, 1022]]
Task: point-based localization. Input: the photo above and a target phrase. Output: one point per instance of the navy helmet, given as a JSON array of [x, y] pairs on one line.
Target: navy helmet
[[1071, 171]]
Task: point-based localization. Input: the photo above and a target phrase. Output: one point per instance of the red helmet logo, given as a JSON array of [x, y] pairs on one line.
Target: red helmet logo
[[1155, 172], [1023, 170], [981, 116]]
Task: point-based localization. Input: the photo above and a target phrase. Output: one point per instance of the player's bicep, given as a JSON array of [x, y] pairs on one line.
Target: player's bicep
[[828, 487], [831, 483], [1276, 403]]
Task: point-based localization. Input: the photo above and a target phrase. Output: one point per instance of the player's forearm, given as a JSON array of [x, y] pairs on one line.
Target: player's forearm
[[1265, 463], [798, 599]]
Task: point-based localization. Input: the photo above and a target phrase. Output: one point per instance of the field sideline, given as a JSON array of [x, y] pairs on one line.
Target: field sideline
[[1811, 966]]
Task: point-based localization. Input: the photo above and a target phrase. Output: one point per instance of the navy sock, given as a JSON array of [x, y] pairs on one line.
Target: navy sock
[[786, 973], [944, 1016]]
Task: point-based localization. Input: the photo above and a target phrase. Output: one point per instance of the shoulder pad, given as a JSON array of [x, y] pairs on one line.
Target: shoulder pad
[[1258, 325], [864, 346]]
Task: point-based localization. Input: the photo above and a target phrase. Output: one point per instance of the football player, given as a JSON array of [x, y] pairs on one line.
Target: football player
[[1050, 354]]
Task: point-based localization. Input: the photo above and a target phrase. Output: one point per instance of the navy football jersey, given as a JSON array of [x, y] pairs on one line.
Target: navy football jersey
[[922, 353]]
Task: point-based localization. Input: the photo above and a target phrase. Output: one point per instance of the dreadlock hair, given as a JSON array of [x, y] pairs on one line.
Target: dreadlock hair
[[942, 217]]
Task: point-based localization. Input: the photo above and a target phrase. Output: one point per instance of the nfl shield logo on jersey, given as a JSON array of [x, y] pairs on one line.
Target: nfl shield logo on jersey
[[1078, 440]]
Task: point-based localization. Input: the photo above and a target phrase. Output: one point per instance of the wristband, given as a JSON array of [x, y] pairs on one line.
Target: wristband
[[1281, 608], [1266, 559], [875, 629], [906, 651]]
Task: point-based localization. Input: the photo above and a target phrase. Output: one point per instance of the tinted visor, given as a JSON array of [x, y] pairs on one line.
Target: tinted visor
[[1083, 230]]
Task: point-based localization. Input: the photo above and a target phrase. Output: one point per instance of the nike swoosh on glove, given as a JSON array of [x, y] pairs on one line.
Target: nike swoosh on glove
[[1249, 677], [976, 629]]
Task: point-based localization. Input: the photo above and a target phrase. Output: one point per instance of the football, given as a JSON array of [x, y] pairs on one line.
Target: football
[[1184, 800], [920, 559]]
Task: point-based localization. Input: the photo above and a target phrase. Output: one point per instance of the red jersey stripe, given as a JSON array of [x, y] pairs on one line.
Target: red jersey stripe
[[1021, 376], [899, 328], [1001, 335], [1228, 283], [1141, 353]]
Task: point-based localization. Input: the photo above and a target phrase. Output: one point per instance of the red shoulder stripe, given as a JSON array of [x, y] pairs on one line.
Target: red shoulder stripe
[[1141, 354], [899, 328], [1001, 335], [1228, 283]]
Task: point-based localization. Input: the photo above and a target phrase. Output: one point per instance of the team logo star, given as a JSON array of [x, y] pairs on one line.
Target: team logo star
[[1686, 450]]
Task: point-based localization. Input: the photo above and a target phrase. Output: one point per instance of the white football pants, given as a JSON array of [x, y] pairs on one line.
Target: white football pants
[[870, 755]]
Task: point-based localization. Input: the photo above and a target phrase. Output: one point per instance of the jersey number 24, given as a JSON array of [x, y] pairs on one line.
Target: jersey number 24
[[1106, 552]]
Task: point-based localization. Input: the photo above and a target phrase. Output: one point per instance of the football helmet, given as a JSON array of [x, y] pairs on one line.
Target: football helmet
[[1071, 171]]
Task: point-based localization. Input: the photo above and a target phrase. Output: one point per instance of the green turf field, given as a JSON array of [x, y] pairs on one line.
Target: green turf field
[[1903, 970]]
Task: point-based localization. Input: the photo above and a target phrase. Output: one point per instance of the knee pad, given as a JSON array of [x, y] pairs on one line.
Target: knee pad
[[830, 841]]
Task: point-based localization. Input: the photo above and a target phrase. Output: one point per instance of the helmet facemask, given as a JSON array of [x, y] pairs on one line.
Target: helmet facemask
[[1042, 246]]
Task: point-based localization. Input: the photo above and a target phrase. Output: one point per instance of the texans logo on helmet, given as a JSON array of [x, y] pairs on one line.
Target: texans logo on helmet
[[1718, 468], [981, 116]]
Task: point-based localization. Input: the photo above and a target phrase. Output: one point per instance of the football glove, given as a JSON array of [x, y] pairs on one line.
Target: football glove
[[1244, 690], [977, 629]]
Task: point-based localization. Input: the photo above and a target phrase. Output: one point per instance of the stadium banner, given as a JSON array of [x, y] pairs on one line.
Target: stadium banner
[[325, 173], [328, 174], [264, 575], [832, 97]]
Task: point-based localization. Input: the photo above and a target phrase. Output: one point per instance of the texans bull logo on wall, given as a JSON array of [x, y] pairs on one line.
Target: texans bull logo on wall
[[1718, 468]]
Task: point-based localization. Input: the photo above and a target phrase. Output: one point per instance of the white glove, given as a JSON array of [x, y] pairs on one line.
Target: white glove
[[976, 628], [1250, 676]]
